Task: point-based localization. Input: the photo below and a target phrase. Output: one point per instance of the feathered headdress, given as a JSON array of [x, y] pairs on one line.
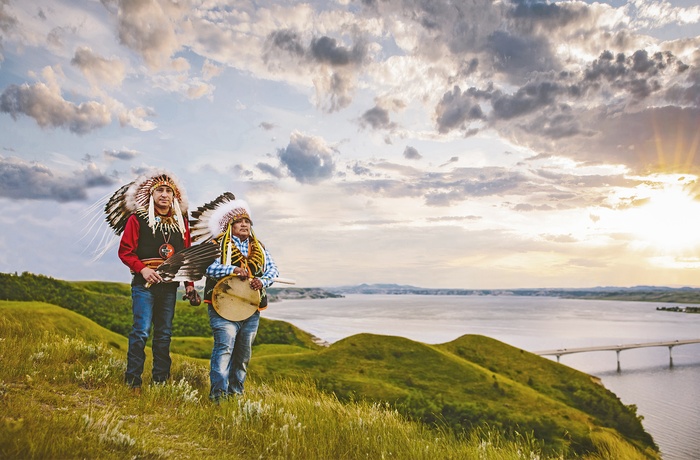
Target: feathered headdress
[[128, 199], [212, 221], [138, 194]]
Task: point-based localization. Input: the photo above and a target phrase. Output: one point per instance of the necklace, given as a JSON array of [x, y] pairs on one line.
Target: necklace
[[166, 250]]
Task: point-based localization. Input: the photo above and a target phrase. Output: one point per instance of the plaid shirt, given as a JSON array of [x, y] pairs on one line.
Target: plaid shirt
[[217, 270]]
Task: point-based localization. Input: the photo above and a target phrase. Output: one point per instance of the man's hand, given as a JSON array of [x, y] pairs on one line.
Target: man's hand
[[240, 272], [151, 276], [256, 284], [192, 295]]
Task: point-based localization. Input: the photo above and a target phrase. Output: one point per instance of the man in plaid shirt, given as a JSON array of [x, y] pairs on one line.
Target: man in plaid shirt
[[244, 256]]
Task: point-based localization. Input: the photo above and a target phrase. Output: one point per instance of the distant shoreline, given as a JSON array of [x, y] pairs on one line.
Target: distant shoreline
[[634, 294]]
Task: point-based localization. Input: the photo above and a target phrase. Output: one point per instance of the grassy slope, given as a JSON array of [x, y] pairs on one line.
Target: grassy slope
[[53, 320], [110, 305], [439, 383], [61, 397], [470, 381]]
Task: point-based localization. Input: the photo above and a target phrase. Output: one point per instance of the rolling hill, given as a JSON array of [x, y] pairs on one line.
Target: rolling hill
[[461, 386]]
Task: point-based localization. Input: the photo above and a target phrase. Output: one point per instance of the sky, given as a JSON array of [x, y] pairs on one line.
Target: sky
[[442, 144]]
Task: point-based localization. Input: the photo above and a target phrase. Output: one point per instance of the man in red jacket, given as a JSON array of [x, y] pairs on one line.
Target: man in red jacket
[[156, 229]]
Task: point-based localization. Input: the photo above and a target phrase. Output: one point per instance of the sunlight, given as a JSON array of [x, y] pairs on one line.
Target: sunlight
[[668, 222]]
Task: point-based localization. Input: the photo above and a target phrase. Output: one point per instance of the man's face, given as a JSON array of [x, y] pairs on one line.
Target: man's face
[[163, 197], [241, 228]]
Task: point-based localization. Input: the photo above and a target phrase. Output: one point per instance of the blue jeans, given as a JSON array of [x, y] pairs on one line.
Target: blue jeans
[[154, 305], [233, 346]]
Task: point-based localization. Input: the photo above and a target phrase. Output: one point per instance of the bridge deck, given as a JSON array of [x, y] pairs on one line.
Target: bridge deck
[[619, 347]]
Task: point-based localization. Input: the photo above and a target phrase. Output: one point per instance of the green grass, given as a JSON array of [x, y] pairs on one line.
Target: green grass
[[458, 387], [62, 397], [451, 384], [110, 305]]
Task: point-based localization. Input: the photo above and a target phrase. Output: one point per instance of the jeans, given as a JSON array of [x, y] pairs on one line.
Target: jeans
[[154, 305], [233, 346]]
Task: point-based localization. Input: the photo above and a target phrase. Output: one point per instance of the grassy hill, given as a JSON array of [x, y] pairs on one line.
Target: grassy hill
[[457, 388], [471, 382], [109, 304]]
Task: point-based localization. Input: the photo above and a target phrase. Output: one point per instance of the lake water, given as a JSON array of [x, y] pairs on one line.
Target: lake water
[[667, 397]]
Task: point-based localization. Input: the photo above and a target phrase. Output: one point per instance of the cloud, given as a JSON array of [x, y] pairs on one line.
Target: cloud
[[136, 118], [150, 28], [454, 218], [442, 188], [376, 118], [451, 160], [411, 153], [532, 207], [8, 22], [568, 238], [360, 169], [124, 154], [520, 55], [525, 100], [326, 50], [637, 74], [211, 70], [98, 69], [271, 170], [49, 109], [457, 109], [332, 65], [661, 13], [562, 113], [308, 159], [33, 181]]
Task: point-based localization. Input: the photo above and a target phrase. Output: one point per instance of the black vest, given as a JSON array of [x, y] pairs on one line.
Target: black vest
[[149, 244]]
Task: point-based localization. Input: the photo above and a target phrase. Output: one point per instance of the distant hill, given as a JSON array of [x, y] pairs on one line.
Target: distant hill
[[635, 293], [275, 294]]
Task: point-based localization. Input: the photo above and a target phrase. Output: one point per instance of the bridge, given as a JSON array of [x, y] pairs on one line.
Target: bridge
[[618, 348]]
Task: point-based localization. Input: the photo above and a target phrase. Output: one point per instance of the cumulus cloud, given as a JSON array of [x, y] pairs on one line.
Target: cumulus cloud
[[443, 189], [327, 50], [8, 22], [377, 118], [271, 170], [520, 55], [210, 70], [150, 29], [49, 109], [661, 13], [411, 153], [332, 64], [123, 154], [457, 109], [307, 158], [136, 118], [20, 179], [98, 69]]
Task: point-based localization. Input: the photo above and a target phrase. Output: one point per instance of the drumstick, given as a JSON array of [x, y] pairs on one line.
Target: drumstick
[[280, 280], [284, 280]]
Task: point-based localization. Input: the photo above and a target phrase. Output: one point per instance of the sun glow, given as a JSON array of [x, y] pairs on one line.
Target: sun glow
[[669, 221]]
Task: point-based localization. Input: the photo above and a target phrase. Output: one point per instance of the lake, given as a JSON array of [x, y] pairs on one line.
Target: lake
[[667, 397]]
